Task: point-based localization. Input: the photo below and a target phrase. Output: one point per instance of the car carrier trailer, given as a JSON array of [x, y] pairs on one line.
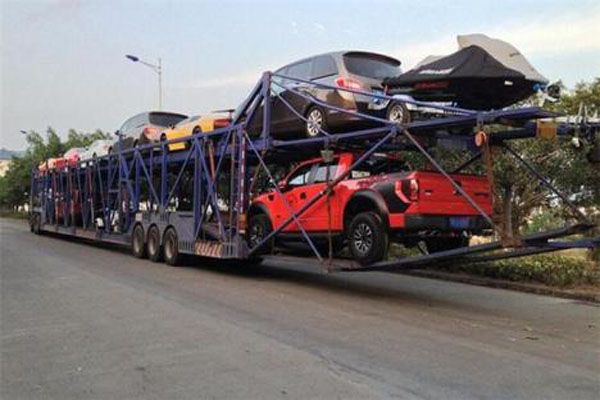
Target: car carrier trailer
[[195, 201]]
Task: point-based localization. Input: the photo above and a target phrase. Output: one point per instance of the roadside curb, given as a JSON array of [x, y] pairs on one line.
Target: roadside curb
[[502, 284]]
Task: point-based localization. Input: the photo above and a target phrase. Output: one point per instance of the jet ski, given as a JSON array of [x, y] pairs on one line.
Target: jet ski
[[483, 74]]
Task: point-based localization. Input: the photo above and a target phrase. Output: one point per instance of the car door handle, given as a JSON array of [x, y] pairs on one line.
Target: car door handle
[[303, 196]]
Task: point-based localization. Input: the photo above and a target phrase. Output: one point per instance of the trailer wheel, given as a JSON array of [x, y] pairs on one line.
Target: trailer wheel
[[138, 247], [435, 245], [36, 223], [153, 247], [368, 238], [171, 247], [259, 227]]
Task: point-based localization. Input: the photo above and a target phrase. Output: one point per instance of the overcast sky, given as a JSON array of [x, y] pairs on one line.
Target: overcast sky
[[63, 62]]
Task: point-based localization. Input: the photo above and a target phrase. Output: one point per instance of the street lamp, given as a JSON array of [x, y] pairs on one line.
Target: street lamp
[[154, 67]]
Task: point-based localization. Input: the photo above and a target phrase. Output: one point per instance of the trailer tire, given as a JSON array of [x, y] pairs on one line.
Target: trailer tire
[[259, 227], [367, 238], [36, 223], [138, 247], [171, 247], [153, 247]]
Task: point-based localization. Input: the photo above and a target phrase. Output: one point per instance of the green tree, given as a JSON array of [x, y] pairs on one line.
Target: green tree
[[14, 186]]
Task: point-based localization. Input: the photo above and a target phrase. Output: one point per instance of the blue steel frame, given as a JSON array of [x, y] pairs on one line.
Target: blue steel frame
[[112, 188]]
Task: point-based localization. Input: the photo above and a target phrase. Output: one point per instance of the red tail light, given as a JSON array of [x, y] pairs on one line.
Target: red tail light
[[407, 190], [221, 123], [348, 83], [432, 85], [150, 131]]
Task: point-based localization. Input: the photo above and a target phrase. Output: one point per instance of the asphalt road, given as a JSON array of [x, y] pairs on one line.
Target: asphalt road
[[85, 322]]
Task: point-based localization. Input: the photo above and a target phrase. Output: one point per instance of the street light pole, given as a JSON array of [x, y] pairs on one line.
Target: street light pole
[[159, 84], [154, 67]]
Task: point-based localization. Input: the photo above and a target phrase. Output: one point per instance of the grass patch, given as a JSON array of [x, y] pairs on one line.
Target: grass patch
[[13, 214], [549, 269], [565, 269]]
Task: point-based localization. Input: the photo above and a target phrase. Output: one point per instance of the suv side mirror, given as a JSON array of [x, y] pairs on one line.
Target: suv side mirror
[[117, 133]]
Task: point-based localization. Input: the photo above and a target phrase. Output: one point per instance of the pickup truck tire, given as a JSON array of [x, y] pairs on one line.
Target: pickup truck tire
[[435, 245], [259, 227], [367, 238]]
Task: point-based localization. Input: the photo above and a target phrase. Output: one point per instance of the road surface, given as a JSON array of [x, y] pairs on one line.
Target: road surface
[[85, 322]]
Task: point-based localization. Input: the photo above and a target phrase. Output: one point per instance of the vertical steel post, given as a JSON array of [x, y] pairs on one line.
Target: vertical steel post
[[266, 95]]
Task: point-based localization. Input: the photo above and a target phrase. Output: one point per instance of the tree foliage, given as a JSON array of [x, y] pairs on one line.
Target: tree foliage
[[14, 186]]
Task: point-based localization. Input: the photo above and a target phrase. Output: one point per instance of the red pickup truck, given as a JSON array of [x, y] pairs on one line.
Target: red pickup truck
[[381, 200]]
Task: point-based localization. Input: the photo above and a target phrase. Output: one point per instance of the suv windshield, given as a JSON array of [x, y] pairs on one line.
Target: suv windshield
[[165, 119], [371, 65]]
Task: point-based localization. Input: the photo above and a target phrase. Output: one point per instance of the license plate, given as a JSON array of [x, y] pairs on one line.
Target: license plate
[[459, 222], [378, 100]]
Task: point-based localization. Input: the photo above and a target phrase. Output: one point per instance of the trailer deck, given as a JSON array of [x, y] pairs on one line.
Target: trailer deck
[[197, 199]]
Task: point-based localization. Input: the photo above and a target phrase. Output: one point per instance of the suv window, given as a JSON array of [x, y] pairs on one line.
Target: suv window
[[321, 173], [323, 66], [300, 70], [138, 120], [300, 176], [126, 125], [280, 81], [165, 119], [371, 65]]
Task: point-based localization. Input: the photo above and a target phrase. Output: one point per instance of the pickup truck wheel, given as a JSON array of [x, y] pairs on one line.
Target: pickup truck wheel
[[171, 248], [435, 245], [259, 228], [367, 238], [153, 247], [137, 242]]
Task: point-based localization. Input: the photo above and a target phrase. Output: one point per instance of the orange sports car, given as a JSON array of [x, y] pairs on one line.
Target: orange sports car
[[194, 125]]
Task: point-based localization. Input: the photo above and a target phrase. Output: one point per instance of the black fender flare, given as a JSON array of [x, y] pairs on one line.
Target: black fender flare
[[374, 198], [259, 208]]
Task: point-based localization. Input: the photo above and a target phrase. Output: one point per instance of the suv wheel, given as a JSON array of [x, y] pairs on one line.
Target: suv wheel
[[398, 113], [259, 228], [367, 238], [315, 122]]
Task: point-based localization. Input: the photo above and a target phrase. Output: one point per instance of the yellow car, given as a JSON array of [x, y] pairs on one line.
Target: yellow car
[[193, 125]]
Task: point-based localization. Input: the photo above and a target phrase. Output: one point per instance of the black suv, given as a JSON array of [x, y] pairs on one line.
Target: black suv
[[356, 70]]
